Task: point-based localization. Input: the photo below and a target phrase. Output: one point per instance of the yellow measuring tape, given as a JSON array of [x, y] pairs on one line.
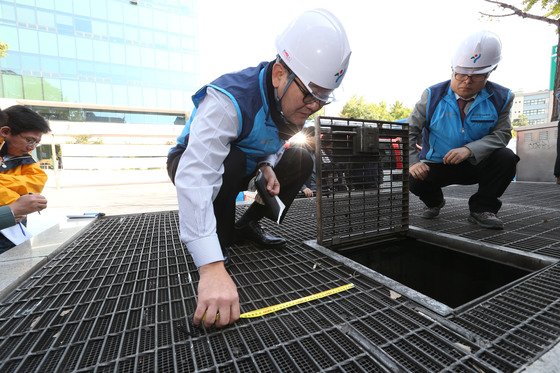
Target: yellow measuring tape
[[281, 306]]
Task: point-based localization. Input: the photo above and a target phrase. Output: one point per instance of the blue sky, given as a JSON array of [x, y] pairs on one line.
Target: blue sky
[[399, 47]]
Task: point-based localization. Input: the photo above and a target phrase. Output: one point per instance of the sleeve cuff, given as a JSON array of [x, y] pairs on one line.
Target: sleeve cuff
[[205, 250], [265, 163], [7, 218]]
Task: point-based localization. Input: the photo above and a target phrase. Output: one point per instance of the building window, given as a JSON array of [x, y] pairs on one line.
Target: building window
[[7, 12], [48, 44], [536, 101], [82, 24], [13, 86], [32, 88], [534, 112], [29, 42], [536, 121], [51, 90]]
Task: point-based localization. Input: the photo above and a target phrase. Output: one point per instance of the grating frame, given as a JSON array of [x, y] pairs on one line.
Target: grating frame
[[362, 180]]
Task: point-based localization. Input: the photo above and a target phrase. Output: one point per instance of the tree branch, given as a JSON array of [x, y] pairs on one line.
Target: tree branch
[[521, 13], [497, 15]]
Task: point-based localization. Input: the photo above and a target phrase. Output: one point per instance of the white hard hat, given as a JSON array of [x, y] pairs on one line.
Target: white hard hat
[[315, 47], [478, 54]]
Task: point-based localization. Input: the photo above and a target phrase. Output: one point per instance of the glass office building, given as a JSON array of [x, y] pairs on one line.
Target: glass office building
[[103, 53]]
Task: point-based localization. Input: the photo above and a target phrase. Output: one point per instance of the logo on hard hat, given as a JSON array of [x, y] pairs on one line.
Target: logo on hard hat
[[476, 57], [339, 75], [286, 55]]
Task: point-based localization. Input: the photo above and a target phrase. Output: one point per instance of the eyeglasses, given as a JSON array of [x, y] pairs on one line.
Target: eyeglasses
[[476, 78], [308, 97], [30, 141]]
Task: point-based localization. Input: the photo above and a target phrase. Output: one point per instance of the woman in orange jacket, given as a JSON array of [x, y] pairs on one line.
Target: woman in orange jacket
[[21, 130]]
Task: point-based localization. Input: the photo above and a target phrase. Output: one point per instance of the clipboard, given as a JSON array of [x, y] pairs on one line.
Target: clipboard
[[17, 233]]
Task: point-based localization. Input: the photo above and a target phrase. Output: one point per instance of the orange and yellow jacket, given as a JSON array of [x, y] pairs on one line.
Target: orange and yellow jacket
[[19, 176]]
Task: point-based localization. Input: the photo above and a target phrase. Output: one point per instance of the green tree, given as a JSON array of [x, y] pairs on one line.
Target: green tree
[[551, 16], [76, 115], [3, 49], [86, 139], [358, 108], [399, 111], [521, 121], [377, 111]]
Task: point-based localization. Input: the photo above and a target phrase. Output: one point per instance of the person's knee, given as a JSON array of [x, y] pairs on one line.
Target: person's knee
[[234, 166], [172, 164], [507, 154], [414, 185], [305, 160], [297, 159], [505, 157]]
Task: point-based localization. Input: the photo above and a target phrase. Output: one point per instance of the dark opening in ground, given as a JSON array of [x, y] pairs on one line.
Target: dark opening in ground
[[450, 277]]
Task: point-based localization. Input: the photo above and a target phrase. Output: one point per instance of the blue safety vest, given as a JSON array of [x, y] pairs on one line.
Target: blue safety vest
[[257, 134], [444, 129]]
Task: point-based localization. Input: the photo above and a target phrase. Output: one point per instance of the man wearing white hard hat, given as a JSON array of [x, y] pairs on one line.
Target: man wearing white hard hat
[[465, 127], [239, 126]]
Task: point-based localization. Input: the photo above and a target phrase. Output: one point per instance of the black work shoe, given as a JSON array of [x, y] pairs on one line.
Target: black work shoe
[[486, 220], [432, 212], [253, 231]]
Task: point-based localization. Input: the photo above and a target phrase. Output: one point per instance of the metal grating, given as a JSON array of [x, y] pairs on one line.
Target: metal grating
[[521, 321], [362, 182], [531, 220], [120, 297]]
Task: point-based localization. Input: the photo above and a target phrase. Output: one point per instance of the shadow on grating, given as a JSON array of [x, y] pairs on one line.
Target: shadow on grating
[[119, 298]]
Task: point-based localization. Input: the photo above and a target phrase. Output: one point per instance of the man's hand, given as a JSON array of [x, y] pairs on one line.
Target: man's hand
[[308, 192], [419, 170], [218, 301], [272, 183], [27, 204], [457, 155]]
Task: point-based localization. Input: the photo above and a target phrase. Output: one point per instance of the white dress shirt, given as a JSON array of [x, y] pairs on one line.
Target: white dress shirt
[[199, 174]]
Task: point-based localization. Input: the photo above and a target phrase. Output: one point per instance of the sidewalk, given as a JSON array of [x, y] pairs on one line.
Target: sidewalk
[[110, 192], [77, 192], [82, 178]]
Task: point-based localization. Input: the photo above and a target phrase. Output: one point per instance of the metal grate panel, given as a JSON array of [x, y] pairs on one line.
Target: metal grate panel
[[120, 297], [528, 227], [362, 180], [518, 323]]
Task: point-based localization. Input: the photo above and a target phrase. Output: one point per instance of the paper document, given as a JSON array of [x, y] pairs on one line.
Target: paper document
[[86, 215], [17, 233]]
